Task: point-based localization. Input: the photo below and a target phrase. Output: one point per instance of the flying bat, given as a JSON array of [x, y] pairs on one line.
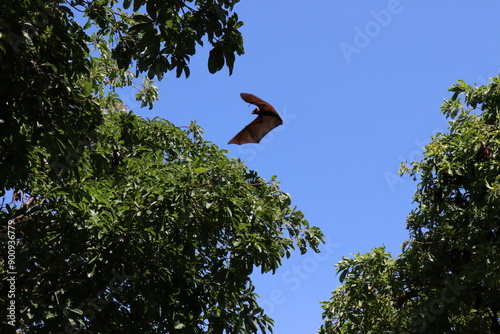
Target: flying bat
[[267, 119]]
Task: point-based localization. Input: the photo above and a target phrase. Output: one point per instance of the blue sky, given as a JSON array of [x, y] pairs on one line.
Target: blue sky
[[350, 118]]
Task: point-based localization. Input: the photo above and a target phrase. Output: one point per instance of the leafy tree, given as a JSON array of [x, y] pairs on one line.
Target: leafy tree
[[447, 279], [53, 80], [120, 224], [364, 302], [158, 235]]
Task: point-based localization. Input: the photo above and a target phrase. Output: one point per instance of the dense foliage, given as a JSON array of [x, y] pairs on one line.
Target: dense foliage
[[447, 280], [119, 224], [183, 226], [54, 71]]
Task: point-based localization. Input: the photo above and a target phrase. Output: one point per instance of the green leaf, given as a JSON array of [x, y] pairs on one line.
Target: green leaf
[[92, 272], [200, 170], [353, 318], [230, 58], [142, 18], [138, 4], [215, 59], [180, 325]]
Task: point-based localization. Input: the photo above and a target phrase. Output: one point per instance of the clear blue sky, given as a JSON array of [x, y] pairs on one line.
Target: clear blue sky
[[359, 85]]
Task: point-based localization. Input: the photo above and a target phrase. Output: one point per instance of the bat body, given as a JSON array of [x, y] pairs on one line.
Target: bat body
[[267, 119]]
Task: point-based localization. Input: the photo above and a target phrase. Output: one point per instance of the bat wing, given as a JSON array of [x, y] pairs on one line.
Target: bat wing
[[255, 131], [263, 105]]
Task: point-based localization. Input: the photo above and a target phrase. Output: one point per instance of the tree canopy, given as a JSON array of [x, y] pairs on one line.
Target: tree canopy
[[183, 226], [57, 76], [120, 224], [447, 279]]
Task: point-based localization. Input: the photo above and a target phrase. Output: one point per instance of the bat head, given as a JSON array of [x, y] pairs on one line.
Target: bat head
[[256, 111]]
